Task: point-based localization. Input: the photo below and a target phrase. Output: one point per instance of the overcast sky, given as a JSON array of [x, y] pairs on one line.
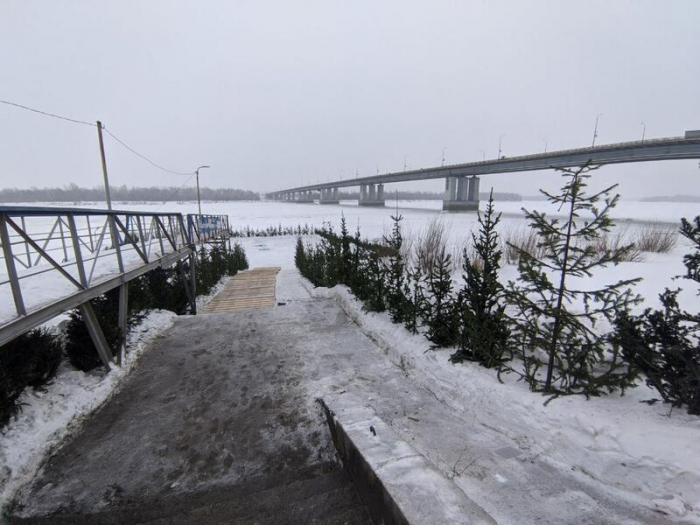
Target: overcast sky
[[273, 94]]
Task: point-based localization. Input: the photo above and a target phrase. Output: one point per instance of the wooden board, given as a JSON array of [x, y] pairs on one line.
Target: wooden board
[[250, 289]]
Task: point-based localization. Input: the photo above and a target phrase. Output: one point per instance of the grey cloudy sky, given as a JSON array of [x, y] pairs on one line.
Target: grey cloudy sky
[[273, 94]]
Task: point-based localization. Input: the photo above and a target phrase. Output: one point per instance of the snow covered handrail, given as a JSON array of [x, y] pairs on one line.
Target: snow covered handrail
[[55, 259]]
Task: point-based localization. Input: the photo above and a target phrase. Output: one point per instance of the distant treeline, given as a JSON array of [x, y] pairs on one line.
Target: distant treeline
[[673, 198], [428, 195], [74, 193]]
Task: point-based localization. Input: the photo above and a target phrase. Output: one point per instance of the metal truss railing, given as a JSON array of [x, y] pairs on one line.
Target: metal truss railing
[[56, 259]]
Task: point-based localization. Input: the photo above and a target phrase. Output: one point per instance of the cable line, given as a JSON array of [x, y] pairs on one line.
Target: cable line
[[173, 194], [143, 156], [48, 114], [132, 150]]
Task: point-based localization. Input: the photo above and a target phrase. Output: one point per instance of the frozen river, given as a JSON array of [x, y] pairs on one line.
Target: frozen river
[[657, 269]]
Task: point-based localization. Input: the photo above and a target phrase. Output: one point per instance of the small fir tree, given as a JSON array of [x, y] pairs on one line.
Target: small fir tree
[[300, 258], [484, 328], [345, 252], [358, 281], [665, 344], [439, 312], [576, 359], [396, 300], [416, 300]]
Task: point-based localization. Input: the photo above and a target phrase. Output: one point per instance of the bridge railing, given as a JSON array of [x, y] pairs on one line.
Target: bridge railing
[[54, 259], [440, 171]]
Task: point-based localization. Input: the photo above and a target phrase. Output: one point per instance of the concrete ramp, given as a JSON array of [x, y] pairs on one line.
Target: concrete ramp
[[215, 426], [250, 289]]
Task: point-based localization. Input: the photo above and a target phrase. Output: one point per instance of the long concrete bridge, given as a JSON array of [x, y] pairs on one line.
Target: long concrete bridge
[[462, 180]]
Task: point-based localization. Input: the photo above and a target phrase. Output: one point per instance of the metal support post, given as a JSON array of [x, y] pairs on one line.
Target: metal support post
[[98, 338], [11, 268], [76, 250], [193, 283], [122, 321]]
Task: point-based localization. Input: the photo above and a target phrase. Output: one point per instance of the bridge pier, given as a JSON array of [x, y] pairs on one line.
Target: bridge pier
[[461, 194], [304, 197], [329, 196], [371, 195]]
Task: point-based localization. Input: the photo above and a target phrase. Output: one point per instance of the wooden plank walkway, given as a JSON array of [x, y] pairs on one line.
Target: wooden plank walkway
[[250, 289]]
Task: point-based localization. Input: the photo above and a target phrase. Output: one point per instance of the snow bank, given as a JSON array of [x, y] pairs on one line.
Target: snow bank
[[643, 453]]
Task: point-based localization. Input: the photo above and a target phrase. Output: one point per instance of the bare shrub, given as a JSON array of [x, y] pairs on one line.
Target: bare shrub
[[656, 238], [466, 247], [614, 241], [431, 241], [522, 237]]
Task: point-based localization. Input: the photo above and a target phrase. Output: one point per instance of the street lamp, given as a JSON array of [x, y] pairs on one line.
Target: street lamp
[[545, 145], [199, 200], [595, 131], [644, 130], [499, 144], [443, 156]]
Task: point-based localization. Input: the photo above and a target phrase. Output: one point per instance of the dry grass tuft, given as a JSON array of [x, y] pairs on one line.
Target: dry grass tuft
[[523, 237], [656, 238]]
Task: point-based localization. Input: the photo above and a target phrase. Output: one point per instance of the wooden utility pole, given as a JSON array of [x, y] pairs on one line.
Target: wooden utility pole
[[104, 165]]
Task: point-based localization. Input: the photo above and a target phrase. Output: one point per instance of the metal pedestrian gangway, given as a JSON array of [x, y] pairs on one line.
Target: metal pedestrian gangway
[[56, 259]]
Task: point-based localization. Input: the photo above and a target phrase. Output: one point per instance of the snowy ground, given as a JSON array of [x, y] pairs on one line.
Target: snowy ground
[[646, 454], [640, 452], [52, 413]]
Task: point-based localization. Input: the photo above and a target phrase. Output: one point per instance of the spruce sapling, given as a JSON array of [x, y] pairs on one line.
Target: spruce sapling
[[665, 344], [577, 359], [439, 307], [396, 301], [483, 327]]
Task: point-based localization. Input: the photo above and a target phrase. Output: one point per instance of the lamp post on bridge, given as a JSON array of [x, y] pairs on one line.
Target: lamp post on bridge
[[545, 145], [499, 144], [199, 200], [595, 131], [644, 130]]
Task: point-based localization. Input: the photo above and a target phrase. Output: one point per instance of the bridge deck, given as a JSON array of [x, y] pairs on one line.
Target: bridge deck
[[673, 148]]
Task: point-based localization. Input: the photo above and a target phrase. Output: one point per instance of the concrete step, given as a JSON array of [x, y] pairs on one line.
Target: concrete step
[[321, 495]]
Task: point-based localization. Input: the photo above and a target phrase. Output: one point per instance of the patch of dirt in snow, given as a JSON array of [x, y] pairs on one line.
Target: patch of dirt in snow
[[49, 416], [640, 452]]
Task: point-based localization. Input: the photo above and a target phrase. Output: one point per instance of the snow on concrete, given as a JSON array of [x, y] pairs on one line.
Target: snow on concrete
[[421, 493], [51, 414], [640, 452], [48, 416]]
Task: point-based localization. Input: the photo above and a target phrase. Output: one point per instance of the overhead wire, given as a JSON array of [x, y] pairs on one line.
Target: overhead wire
[[76, 121], [178, 190], [132, 150]]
